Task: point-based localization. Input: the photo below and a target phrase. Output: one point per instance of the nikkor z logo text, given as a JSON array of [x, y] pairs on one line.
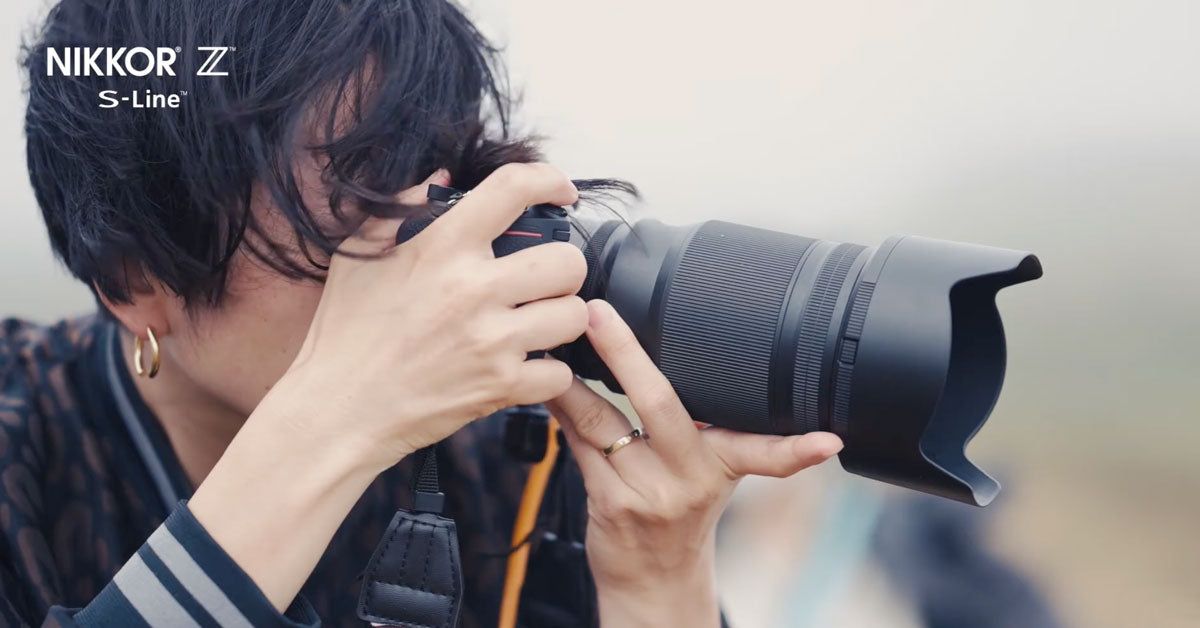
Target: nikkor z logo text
[[136, 61], [125, 61]]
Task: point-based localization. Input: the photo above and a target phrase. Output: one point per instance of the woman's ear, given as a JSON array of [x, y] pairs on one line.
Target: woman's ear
[[150, 308]]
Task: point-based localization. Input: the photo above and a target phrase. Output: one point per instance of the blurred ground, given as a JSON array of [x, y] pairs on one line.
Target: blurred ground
[[1113, 537]]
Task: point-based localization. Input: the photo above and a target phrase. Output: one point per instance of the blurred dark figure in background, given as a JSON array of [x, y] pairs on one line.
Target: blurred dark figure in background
[[937, 554], [841, 553]]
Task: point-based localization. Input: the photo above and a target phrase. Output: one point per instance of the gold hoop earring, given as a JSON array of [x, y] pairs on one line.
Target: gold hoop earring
[[155, 359]]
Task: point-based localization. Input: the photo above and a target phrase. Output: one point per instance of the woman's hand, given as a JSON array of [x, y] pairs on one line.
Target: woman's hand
[[405, 348], [653, 505]]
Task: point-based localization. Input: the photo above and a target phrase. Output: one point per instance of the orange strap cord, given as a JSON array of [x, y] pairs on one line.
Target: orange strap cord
[[527, 514]]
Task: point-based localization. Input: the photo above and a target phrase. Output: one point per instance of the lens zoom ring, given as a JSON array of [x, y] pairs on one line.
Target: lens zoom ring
[[814, 330], [719, 320]]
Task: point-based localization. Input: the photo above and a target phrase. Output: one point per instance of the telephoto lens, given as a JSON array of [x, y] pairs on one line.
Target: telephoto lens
[[898, 349]]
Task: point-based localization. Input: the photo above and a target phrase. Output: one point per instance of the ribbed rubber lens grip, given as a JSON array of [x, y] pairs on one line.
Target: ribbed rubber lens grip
[[720, 316]]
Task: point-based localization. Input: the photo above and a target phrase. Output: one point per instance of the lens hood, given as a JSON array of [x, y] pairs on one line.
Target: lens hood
[[921, 363]]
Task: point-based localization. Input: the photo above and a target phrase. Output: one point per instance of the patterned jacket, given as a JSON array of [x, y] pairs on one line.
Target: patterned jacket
[[82, 533]]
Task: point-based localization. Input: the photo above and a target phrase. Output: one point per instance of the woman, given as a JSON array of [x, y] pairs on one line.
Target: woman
[[264, 355]]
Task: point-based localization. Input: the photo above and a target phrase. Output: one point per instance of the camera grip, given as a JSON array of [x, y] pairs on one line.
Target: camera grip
[[530, 231]]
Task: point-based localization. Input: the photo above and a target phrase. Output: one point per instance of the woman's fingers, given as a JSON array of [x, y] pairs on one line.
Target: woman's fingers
[[499, 200], [653, 397], [744, 454], [599, 424], [548, 323], [546, 270], [598, 474], [541, 380]]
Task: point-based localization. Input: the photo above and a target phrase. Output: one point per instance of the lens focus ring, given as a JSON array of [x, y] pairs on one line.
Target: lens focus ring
[[814, 332]]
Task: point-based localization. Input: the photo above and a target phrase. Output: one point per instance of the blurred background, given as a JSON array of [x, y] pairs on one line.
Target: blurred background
[[1064, 127]]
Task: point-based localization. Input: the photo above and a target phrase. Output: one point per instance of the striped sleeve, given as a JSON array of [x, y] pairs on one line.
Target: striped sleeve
[[181, 577]]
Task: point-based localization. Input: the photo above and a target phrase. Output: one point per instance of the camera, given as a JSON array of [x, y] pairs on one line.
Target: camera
[[898, 348]]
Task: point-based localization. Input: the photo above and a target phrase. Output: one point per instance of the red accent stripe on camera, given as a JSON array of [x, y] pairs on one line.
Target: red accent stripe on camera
[[527, 234]]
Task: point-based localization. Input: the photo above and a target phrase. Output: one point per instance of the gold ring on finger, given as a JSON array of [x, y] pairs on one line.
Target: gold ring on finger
[[623, 441]]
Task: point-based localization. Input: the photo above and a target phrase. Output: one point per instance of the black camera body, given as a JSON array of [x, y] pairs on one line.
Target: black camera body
[[898, 348], [539, 223]]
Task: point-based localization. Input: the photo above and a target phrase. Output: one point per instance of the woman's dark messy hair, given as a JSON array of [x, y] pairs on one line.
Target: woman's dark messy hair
[[390, 89]]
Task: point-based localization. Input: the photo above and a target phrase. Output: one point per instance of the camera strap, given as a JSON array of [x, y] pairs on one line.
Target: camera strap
[[414, 577]]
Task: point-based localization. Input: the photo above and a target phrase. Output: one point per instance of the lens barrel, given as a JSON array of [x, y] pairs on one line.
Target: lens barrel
[[898, 348]]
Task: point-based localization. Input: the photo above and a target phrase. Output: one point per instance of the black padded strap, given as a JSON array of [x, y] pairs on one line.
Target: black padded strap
[[414, 578]]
